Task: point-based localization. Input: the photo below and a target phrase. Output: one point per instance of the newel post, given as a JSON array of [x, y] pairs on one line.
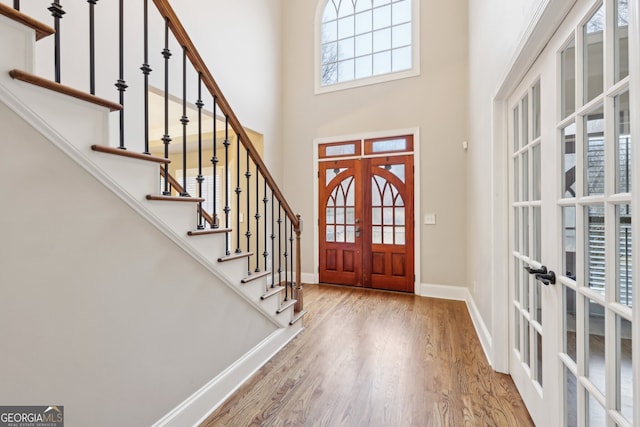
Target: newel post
[[299, 305]]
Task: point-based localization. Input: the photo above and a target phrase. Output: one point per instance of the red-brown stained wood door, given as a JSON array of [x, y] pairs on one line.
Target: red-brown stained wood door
[[366, 222]]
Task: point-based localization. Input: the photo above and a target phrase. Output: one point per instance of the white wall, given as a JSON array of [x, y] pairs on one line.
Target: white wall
[[101, 312], [496, 29], [435, 102]]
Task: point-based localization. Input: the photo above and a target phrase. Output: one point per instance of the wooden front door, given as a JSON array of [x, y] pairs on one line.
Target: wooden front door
[[366, 217]]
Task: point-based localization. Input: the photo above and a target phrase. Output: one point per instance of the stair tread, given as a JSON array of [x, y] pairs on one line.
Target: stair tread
[[42, 30], [299, 315], [208, 231], [272, 292], [131, 154], [255, 276], [286, 305], [63, 89], [174, 198], [235, 256]]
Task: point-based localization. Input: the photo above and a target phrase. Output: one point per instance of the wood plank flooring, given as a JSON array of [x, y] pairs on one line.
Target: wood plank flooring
[[372, 358]]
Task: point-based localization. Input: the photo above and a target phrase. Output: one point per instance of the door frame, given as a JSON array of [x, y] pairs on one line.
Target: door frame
[[416, 198]]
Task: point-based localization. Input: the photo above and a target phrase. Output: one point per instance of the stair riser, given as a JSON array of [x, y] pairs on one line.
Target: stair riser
[[255, 289], [210, 246], [285, 317], [16, 45], [177, 216], [139, 178]]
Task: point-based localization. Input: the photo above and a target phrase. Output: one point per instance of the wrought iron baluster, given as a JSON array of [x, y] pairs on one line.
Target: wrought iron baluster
[[57, 12], [92, 47], [291, 256], [146, 70], [200, 178], [273, 241], [166, 53], [247, 174], [238, 191], [279, 242], [185, 121], [16, 4], [257, 216], [265, 200], [227, 209], [121, 84], [214, 162], [286, 261]]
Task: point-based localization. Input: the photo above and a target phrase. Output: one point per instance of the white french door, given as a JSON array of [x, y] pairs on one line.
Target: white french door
[[571, 199]]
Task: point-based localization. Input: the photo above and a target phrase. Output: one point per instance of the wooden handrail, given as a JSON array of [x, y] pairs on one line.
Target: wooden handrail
[[184, 40]]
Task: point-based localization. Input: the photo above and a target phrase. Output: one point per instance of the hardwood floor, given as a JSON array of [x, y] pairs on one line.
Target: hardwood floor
[[372, 358]]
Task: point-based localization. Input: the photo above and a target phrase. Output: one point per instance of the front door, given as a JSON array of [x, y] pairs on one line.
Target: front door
[[571, 193], [366, 213]]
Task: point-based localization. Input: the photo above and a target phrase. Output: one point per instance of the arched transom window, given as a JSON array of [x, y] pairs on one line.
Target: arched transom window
[[361, 40]]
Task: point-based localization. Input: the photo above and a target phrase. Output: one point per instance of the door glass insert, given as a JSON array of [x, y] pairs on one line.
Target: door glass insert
[[569, 161], [568, 79], [570, 398], [623, 143], [525, 120], [593, 64], [387, 210], [596, 344], [535, 101], [536, 172], [569, 325], [624, 283], [340, 209], [597, 414], [594, 168], [621, 40], [595, 248], [624, 370], [569, 241]]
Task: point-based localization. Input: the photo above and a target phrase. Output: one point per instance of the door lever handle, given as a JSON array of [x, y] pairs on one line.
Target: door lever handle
[[541, 270], [547, 278]]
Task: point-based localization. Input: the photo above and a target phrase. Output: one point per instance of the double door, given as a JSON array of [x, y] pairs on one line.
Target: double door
[[366, 215]]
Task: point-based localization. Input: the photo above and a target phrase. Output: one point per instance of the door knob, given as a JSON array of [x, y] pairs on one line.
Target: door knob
[[541, 270], [547, 278]]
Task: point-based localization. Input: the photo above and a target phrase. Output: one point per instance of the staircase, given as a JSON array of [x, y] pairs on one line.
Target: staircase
[[144, 307]]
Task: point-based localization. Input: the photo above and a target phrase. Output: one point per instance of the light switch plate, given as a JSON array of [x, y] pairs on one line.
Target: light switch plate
[[430, 219]]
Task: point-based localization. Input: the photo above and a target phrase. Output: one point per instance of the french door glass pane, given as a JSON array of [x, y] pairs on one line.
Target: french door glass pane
[[516, 278], [569, 241], [593, 56], [516, 179], [538, 357], [517, 329], [525, 231], [525, 176], [594, 167], [597, 414], [537, 233], [595, 248], [595, 350], [624, 369], [536, 310], [525, 342], [516, 229], [568, 79], [569, 161], [569, 322], [624, 276], [516, 129], [526, 288], [570, 398], [536, 172], [525, 120], [621, 40], [535, 100], [623, 143]]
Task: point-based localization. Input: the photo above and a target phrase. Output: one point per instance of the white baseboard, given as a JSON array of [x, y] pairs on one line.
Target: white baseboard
[[196, 408], [461, 293], [308, 278]]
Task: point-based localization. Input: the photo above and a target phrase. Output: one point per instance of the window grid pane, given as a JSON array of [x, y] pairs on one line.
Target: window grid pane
[[374, 38]]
